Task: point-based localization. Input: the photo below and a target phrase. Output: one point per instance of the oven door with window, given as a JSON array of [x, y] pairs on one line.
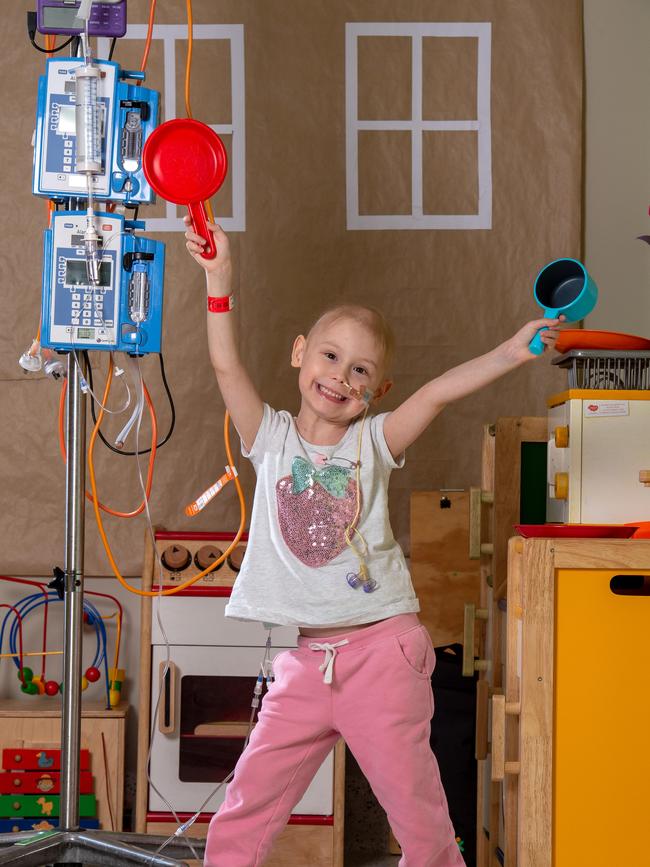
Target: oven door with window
[[200, 719]]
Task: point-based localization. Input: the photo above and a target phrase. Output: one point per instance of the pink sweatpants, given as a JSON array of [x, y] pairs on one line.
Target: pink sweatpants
[[380, 701]]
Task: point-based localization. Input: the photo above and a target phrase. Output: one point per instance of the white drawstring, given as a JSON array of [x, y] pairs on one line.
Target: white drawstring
[[330, 655]]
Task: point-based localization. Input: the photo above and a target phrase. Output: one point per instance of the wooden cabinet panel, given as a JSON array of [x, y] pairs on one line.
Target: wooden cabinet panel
[[444, 577]]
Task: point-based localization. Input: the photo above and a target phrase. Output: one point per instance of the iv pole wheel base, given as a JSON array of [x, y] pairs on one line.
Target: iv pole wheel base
[[109, 849]]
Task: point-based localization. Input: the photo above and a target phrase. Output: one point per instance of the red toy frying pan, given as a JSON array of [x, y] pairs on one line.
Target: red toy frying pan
[[185, 162]]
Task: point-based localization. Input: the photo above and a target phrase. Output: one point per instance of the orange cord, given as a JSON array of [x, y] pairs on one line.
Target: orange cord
[[50, 45], [154, 435], [188, 76], [147, 45], [97, 506], [171, 591], [188, 62]]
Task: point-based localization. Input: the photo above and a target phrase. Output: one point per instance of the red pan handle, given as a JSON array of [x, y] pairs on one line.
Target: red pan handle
[[200, 225]]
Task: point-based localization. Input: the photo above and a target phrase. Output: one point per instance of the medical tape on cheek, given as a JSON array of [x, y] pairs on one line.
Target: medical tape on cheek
[[365, 396]]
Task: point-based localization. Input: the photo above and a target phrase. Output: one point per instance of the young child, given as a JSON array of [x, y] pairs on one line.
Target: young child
[[321, 556]]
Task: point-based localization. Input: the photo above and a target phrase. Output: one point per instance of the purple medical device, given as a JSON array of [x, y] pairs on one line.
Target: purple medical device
[[107, 18]]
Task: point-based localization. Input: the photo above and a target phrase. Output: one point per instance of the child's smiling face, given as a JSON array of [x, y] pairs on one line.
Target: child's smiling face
[[336, 354]]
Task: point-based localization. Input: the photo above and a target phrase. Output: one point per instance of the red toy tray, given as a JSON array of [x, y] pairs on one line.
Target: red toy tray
[[575, 531]]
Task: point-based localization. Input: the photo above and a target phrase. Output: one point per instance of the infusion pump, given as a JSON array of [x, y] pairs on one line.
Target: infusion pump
[[124, 311], [128, 113]]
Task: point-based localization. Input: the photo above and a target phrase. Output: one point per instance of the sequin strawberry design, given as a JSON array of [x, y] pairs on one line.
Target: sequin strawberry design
[[314, 508]]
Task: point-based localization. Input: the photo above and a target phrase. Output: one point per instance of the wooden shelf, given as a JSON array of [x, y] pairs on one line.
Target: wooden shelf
[[36, 722]]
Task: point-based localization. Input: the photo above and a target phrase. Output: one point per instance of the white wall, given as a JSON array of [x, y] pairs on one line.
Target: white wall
[[618, 162]]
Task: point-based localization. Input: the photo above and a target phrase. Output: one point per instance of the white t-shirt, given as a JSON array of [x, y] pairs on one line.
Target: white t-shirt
[[296, 562]]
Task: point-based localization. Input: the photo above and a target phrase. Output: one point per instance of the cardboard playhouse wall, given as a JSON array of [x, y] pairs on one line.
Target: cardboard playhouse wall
[[423, 159]]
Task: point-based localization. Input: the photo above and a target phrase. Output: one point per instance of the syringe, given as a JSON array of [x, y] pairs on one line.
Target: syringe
[[88, 123]]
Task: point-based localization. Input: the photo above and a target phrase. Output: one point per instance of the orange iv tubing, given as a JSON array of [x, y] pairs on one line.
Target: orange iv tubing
[[95, 501], [147, 45], [152, 456], [231, 473], [188, 75]]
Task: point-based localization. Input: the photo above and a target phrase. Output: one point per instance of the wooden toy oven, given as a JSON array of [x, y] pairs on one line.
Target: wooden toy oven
[[201, 706]]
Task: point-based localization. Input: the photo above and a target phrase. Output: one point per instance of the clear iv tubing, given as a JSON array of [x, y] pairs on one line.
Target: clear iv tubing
[[154, 435], [140, 388], [127, 402], [171, 591], [265, 672], [139, 405]]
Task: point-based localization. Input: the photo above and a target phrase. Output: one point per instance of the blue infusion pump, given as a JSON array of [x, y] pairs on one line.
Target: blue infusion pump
[[124, 311], [129, 115]]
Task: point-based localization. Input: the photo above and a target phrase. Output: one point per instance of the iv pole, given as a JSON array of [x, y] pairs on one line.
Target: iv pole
[[69, 844]]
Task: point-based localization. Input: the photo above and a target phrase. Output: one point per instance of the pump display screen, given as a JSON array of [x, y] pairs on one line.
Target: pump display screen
[[66, 124], [77, 275], [59, 16]]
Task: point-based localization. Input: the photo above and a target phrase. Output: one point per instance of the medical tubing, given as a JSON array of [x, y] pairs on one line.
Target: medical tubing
[[158, 562], [188, 62], [182, 828], [180, 831], [91, 452], [49, 204], [352, 525], [136, 415], [188, 76], [152, 450], [147, 45], [154, 716], [171, 591], [50, 46], [265, 667], [172, 409], [89, 385]]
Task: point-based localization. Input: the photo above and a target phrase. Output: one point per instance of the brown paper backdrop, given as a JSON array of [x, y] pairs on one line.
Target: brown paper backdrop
[[450, 294]]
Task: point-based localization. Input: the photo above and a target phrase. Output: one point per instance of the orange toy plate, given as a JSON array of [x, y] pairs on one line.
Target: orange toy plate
[[579, 338]]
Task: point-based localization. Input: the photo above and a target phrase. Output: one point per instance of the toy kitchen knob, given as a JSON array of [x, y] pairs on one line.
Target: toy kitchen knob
[[561, 437], [176, 558], [206, 556], [561, 486], [236, 557]]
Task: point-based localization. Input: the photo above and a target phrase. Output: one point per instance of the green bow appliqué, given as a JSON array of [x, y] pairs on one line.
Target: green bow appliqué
[[333, 478]]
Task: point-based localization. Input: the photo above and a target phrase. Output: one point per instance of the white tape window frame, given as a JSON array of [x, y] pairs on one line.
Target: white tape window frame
[[417, 126], [169, 34]]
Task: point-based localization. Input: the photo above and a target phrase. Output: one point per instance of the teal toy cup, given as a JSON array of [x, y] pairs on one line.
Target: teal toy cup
[[563, 288]]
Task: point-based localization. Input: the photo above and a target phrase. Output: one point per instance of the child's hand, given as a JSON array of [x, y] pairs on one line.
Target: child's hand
[[219, 269], [517, 346]]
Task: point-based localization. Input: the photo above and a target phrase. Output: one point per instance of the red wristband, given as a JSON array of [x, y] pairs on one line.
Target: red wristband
[[220, 305]]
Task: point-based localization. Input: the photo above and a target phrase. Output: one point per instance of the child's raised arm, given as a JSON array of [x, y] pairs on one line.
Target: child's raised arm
[[241, 398], [405, 424]]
